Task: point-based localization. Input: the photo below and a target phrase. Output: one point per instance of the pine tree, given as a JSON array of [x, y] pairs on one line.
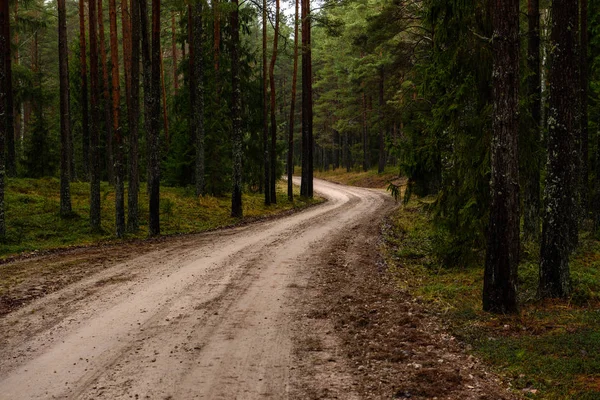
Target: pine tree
[[11, 159], [4, 93], [306, 185], [153, 134], [561, 208], [85, 127], [133, 121], [65, 190], [273, 180], [95, 221], [198, 88], [502, 257], [236, 114], [265, 109], [108, 134], [290, 155]]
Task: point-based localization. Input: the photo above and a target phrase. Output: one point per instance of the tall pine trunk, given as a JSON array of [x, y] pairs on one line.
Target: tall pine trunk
[[85, 125], [11, 158], [110, 165], [116, 125], [4, 93], [290, 156], [273, 180], [502, 257], [583, 52], [365, 135], [133, 223], [198, 88], [95, 220], [306, 184], [164, 101], [153, 105], [531, 201], [174, 52], [63, 66], [236, 114], [561, 208], [265, 110], [381, 164]]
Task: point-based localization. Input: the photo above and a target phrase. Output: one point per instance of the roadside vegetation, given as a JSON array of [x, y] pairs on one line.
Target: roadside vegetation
[[34, 222], [550, 350]]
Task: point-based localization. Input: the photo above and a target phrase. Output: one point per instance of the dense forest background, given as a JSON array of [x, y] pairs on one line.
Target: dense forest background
[[413, 85]]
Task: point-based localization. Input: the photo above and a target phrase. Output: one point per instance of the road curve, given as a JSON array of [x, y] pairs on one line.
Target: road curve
[[211, 320]]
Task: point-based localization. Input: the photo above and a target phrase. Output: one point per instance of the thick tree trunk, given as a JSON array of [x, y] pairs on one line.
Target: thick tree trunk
[[85, 125], [502, 257], [306, 185], [4, 53], [116, 125], [267, 176], [198, 98], [110, 165], [381, 165], [63, 66], [290, 157], [133, 223], [236, 114], [561, 210], [584, 167], [153, 134], [273, 119], [531, 201], [95, 220]]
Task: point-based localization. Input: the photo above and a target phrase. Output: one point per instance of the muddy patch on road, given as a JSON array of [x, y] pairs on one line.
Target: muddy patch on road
[[363, 337]]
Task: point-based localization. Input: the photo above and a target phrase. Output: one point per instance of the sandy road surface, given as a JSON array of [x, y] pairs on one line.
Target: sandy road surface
[[214, 320]]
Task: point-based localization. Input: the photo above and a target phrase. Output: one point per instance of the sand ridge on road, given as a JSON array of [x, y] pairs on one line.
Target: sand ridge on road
[[214, 318]]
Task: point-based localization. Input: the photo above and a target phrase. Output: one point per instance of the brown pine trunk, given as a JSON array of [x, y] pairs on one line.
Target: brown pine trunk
[[95, 221], [502, 257], [365, 139], [110, 166], [382, 159], [290, 157], [273, 119], [585, 203], [174, 52], [153, 134], [116, 126], [85, 125], [11, 158], [306, 185], [236, 114], [216, 34], [531, 201], [561, 211], [134, 118], [164, 101], [63, 66], [4, 54], [267, 176], [126, 44], [198, 96]]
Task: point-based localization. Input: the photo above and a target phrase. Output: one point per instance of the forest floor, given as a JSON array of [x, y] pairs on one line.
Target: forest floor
[[299, 307]]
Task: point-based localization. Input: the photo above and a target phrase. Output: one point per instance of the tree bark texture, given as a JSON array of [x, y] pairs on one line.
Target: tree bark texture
[[153, 134], [583, 64], [11, 157], [4, 54], [236, 114], [95, 221], [267, 176], [381, 165], [198, 88], [272, 107], [63, 66], [502, 257], [561, 211], [133, 223], [306, 184], [116, 123], [290, 156], [85, 125], [110, 165]]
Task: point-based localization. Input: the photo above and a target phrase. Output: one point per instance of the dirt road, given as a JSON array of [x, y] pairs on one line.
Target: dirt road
[[212, 318]]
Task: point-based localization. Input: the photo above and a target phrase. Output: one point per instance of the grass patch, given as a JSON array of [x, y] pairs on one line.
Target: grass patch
[[551, 350], [358, 177], [34, 223]]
